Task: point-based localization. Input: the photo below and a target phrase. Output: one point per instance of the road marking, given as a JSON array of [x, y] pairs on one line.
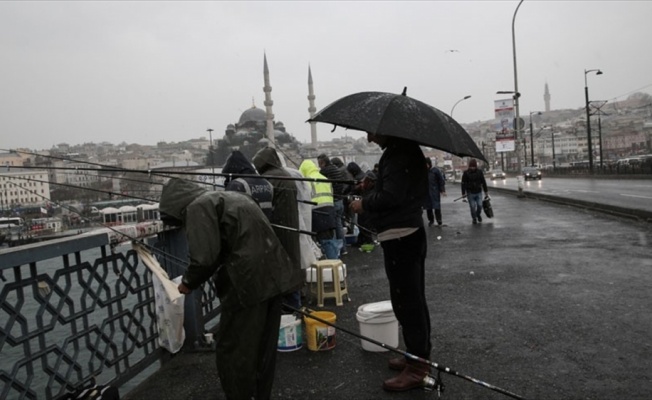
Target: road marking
[[633, 195]]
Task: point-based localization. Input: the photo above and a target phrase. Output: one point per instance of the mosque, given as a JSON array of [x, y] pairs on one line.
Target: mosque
[[257, 129]]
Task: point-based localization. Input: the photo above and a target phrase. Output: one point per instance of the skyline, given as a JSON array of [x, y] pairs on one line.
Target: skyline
[[143, 72]]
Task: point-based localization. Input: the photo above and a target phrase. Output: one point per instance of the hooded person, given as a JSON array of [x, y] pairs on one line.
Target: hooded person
[[285, 213], [230, 239], [323, 214], [473, 184], [257, 187]]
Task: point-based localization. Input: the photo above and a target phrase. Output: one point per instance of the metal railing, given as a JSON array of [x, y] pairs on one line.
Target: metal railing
[[82, 307]]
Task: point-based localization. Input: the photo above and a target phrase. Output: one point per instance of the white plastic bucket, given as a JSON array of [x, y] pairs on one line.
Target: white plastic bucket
[[377, 321], [290, 336]]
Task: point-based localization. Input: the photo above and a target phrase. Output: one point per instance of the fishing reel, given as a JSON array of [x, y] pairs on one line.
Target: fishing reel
[[432, 383]]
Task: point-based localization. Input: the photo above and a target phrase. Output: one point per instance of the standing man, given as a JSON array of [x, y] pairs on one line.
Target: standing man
[[395, 203], [323, 214], [436, 189], [257, 187], [330, 171], [285, 213], [473, 183], [230, 239]]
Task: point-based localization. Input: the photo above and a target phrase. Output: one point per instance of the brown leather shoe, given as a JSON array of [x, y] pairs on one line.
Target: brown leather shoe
[[397, 363], [412, 377]]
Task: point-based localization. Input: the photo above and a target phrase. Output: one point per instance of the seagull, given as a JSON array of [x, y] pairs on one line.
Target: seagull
[[452, 51]]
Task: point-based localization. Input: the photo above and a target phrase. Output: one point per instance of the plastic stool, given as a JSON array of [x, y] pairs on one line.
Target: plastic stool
[[340, 287]]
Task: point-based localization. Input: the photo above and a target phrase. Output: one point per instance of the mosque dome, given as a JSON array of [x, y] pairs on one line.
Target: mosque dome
[[253, 114]]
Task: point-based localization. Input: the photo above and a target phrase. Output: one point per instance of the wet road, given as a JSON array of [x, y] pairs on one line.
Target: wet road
[[630, 193], [545, 300]]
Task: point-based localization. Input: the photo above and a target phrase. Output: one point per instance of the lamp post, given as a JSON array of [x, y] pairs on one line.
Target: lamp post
[[516, 93], [210, 152], [458, 101], [552, 133], [588, 116], [600, 136], [532, 137]]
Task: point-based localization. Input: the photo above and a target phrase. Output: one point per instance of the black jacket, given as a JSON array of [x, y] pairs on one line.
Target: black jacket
[[473, 182], [332, 172], [401, 187], [257, 187]]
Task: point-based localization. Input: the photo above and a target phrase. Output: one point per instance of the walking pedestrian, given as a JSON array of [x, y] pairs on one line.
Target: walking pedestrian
[[436, 189], [396, 204], [230, 239], [473, 184]]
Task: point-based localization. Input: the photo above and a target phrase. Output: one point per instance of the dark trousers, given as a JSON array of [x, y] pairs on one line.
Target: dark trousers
[[405, 269], [431, 218], [246, 343]]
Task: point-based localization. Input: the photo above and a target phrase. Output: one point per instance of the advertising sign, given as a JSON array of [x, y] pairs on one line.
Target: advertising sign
[[504, 111]]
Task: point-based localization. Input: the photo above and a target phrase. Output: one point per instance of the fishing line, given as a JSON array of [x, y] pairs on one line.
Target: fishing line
[[178, 261]]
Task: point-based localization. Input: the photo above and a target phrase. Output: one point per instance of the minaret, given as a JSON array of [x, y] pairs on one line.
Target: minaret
[[268, 104], [312, 109], [546, 97]]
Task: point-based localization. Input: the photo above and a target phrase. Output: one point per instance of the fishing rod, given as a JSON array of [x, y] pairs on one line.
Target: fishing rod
[[133, 197], [430, 382], [179, 262], [460, 198], [109, 192], [163, 173], [103, 167]]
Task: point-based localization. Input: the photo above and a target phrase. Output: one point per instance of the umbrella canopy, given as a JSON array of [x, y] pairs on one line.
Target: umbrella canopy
[[401, 116]]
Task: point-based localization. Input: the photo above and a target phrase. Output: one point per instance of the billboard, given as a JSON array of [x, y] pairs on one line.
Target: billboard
[[504, 111]]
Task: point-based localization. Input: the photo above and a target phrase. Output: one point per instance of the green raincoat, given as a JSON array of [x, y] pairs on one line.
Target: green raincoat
[[229, 237]]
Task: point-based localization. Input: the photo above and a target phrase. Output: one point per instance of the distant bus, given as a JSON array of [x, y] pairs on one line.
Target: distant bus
[[11, 222]]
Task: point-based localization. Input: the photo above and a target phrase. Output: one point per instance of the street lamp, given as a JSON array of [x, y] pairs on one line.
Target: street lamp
[[210, 152], [588, 116], [552, 133], [517, 95], [532, 137], [465, 97]]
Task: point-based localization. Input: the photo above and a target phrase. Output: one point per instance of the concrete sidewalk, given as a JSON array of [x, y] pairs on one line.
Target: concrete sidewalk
[[543, 300]]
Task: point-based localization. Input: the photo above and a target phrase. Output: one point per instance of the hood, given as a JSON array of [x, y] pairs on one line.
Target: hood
[[266, 159], [353, 168], [308, 168], [176, 195], [237, 163]]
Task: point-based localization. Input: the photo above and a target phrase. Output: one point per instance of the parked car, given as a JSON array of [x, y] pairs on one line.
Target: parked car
[[531, 173], [497, 174]]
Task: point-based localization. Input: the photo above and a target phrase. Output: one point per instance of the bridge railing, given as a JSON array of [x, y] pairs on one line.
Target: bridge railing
[[82, 307]]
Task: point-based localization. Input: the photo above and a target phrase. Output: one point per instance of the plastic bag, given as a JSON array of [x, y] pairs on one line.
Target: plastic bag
[[168, 301]]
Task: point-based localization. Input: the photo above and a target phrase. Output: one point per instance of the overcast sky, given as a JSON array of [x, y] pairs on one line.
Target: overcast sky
[[143, 72]]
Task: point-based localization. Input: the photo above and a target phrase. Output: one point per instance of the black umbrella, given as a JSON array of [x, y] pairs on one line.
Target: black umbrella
[[401, 116]]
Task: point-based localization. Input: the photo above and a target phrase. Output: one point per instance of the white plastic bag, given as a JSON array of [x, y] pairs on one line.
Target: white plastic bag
[[168, 301]]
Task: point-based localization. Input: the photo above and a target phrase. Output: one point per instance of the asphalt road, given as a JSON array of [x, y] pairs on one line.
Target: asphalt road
[[628, 193], [545, 300]]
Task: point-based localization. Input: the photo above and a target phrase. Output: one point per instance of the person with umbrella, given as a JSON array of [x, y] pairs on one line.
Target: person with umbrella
[[395, 203], [399, 124]]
